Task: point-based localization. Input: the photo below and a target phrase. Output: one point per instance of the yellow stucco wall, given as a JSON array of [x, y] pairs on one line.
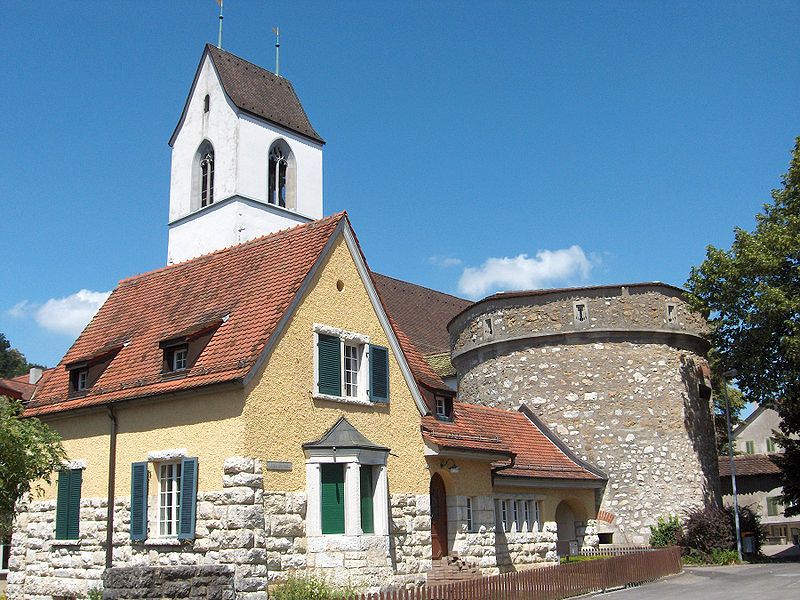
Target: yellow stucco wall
[[474, 478], [280, 414], [581, 500], [209, 426]]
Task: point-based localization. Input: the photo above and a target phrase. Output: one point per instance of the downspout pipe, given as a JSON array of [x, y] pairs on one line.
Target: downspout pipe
[[510, 464], [112, 468]]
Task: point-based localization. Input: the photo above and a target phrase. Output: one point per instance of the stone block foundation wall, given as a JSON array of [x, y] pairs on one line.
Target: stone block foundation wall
[[208, 582], [260, 536]]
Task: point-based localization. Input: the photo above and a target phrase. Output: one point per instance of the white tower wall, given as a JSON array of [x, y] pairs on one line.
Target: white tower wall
[[241, 143]]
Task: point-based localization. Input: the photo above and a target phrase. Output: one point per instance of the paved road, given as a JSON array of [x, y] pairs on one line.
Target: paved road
[[781, 580]]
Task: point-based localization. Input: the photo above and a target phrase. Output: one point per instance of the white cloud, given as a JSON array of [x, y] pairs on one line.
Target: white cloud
[[444, 261], [21, 310], [547, 269], [67, 315]]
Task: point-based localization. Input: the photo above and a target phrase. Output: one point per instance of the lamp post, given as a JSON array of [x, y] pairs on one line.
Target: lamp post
[[725, 376]]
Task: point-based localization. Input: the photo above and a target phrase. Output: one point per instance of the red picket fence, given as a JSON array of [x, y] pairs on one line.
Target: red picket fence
[[552, 582]]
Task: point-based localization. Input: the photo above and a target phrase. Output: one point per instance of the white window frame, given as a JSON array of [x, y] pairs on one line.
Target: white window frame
[[354, 461], [346, 338], [356, 355], [441, 406], [183, 352], [173, 520], [518, 515], [82, 380]]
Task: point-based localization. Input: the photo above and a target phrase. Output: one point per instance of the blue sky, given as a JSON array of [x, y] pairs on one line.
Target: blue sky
[[477, 146]]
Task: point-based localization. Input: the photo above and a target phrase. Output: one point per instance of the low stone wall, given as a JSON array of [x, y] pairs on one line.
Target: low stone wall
[[207, 582], [410, 537]]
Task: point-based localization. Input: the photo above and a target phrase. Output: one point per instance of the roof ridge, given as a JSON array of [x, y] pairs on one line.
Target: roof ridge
[[234, 247], [259, 67]]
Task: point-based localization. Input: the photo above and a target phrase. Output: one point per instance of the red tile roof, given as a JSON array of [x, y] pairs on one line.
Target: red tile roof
[[748, 465], [537, 451], [243, 291], [17, 387], [251, 284], [422, 313]]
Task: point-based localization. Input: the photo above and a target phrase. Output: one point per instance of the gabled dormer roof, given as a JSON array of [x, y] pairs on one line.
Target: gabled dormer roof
[[256, 91], [344, 436]]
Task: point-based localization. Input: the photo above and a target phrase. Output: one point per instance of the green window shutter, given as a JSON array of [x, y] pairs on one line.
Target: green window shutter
[[770, 445], [188, 499], [367, 512], [329, 365], [73, 523], [751, 447], [378, 373], [62, 504], [139, 501], [772, 506], [332, 476]]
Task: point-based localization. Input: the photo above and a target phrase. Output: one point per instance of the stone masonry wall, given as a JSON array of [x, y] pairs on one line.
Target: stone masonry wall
[[260, 536], [633, 410], [641, 309], [229, 531], [207, 582], [494, 551]]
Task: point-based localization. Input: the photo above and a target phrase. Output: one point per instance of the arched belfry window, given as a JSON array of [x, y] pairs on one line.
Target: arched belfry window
[[281, 184], [207, 178], [203, 176]]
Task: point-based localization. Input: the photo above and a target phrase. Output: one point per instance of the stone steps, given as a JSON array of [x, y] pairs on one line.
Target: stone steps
[[451, 569]]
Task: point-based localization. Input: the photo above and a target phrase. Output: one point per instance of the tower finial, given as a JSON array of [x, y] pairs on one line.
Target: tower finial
[[277, 32], [219, 38]]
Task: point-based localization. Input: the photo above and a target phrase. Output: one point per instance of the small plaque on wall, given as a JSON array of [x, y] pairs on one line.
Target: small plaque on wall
[[277, 465]]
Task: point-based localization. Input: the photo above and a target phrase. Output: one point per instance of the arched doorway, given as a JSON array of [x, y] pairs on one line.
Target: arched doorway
[[565, 520], [438, 517]]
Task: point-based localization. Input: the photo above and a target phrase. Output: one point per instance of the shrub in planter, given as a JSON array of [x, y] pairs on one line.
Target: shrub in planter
[[667, 532]]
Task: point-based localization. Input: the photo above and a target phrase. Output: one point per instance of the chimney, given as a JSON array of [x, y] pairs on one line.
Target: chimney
[[35, 375]]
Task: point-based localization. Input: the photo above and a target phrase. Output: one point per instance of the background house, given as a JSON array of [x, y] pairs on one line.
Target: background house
[[758, 477]]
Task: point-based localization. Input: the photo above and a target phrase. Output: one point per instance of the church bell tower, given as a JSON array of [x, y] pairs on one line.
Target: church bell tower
[[246, 160]]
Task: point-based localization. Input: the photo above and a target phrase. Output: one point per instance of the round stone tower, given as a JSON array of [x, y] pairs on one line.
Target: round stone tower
[[619, 373]]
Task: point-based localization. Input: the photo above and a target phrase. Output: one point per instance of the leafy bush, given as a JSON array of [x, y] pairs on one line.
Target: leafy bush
[[309, 588], [710, 532], [667, 532], [708, 529]]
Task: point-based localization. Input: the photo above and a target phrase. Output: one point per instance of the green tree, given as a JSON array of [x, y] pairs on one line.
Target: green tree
[[12, 361], [751, 293], [735, 398], [29, 453]]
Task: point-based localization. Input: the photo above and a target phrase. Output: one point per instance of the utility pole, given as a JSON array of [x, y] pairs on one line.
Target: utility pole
[[731, 374]]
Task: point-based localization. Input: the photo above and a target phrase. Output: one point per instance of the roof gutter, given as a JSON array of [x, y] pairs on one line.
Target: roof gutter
[[496, 470]]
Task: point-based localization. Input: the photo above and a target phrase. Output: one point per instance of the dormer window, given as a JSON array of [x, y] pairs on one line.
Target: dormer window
[[444, 408], [81, 379], [180, 357], [85, 371], [182, 350]]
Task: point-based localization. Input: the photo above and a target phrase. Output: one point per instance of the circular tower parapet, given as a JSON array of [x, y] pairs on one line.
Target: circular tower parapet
[[619, 373]]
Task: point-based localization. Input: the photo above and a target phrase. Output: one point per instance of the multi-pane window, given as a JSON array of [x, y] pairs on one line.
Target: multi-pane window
[[470, 517], [169, 499], [750, 447], [207, 178], [83, 376], [352, 360], [179, 359], [351, 368], [518, 515]]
